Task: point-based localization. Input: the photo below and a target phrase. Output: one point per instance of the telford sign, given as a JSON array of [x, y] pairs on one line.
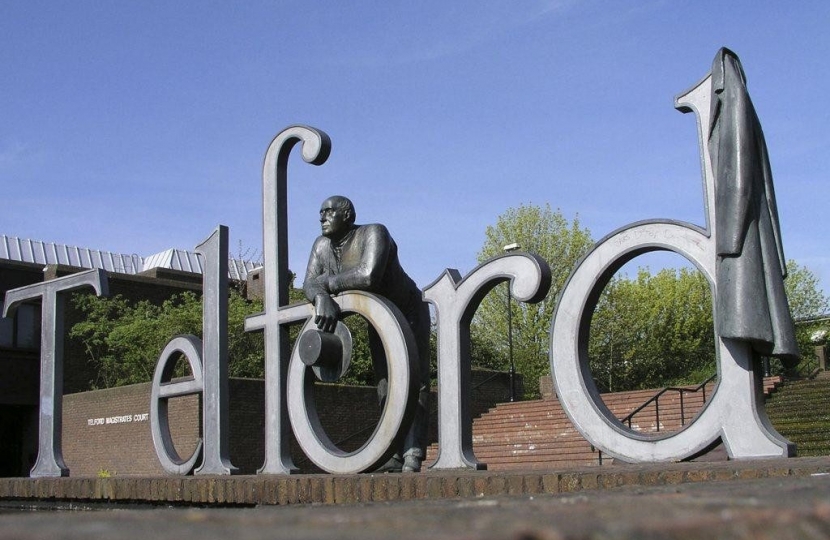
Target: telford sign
[[738, 250]]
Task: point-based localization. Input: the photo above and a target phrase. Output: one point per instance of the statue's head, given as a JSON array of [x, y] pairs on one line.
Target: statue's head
[[337, 216]]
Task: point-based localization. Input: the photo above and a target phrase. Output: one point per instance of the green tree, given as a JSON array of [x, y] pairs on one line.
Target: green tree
[[807, 303], [652, 331], [123, 339], [657, 330], [559, 241], [806, 299]]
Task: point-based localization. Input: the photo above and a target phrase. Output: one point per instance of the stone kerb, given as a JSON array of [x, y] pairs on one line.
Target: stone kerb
[[366, 488]]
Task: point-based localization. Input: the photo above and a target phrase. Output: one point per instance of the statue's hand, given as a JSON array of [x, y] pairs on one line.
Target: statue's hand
[[327, 313]]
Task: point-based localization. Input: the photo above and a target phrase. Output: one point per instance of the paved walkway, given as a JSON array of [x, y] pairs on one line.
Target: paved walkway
[[782, 498], [362, 488], [766, 508]]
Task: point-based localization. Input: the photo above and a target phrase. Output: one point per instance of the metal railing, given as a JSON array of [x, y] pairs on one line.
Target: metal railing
[[682, 391], [433, 409], [807, 368], [656, 400]]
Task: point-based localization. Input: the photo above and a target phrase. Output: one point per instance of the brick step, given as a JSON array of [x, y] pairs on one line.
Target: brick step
[[638, 424], [547, 463], [817, 400], [557, 440], [539, 438], [642, 398], [543, 464], [547, 409], [817, 448], [668, 411], [663, 404], [562, 446], [526, 430], [804, 389], [551, 456], [507, 441], [538, 433], [522, 423], [808, 383], [799, 416], [668, 421], [636, 398], [508, 437], [520, 436], [550, 407], [807, 432], [669, 408], [666, 415], [500, 418], [518, 432], [496, 454]]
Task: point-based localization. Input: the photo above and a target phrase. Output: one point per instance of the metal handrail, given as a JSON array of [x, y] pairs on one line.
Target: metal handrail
[[656, 397], [807, 367], [433, 409]]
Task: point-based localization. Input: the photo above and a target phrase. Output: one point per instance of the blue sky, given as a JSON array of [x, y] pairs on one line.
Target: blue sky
[[138, 126]]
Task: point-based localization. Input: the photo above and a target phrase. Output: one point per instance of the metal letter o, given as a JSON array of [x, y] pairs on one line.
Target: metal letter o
[[399, 344]]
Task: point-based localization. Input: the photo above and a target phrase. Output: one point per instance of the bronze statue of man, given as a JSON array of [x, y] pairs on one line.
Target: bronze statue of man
[[365, 257]]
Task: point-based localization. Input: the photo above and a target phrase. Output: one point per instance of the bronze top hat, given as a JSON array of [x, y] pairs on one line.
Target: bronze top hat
[[327, 354]]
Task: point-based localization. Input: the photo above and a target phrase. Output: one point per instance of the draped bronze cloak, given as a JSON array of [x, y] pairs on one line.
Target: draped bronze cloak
[[751, 302]]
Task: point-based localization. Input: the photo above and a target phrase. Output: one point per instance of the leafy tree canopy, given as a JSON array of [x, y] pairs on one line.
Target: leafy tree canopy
[[808, 305], [559, 241], [123, 339], [650, 331], [653, 330]]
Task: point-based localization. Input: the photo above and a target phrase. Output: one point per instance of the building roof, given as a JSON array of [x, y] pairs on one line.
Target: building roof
[[35, 251]]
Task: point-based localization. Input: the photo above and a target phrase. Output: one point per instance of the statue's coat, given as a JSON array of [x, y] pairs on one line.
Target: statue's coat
[[751, 302]]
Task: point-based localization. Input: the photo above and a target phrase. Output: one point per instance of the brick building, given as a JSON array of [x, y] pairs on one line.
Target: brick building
[[25, 262]]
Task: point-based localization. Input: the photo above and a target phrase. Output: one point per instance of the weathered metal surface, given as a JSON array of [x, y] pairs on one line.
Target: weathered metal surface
[[455, 301], [736, 412], [208, 361], [401, 354], [329, 355], [316, 147], [163, 390], [52, 295], [214, 252]]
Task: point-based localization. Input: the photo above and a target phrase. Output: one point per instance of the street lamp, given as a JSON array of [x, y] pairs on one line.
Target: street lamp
[[507, 249]]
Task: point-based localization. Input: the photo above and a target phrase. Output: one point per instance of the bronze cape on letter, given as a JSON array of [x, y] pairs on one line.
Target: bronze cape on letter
[[751, 302]]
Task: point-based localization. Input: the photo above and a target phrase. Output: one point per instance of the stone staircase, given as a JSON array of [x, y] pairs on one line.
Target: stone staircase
[[800, 411], [538, 433]]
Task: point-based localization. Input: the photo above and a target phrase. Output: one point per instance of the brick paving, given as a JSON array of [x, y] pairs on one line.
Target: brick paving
[[708, 504], [365, 488], [758, 499]]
